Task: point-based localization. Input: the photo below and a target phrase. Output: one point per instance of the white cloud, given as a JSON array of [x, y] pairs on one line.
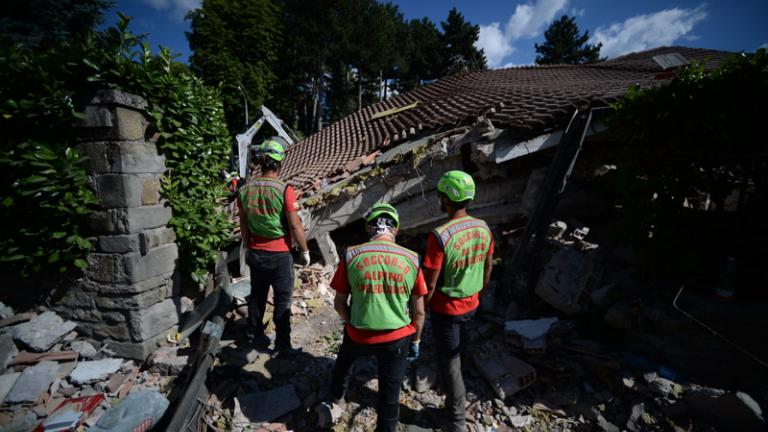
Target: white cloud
[[647, 31], [177, 8], [495, 44], [513, 64], [578, 12], [527, 21]]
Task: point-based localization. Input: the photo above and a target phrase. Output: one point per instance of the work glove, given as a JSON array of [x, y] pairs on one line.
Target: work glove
[[304, 258], [413, 351]]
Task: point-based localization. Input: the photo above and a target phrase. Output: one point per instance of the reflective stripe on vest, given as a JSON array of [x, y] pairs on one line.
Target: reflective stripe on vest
[[263, 200], [465, 243], [381, 277]]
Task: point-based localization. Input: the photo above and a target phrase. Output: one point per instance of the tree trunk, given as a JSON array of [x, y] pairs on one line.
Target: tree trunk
[[318, 104], [359, 91], [313, 120]]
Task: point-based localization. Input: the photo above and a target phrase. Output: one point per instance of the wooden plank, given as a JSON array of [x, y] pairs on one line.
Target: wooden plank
[[28, 358], [394, 110], [18, 318]]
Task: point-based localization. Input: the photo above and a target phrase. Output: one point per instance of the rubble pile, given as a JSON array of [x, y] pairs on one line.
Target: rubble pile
[[52, 379], [256, 390], [533, 362]]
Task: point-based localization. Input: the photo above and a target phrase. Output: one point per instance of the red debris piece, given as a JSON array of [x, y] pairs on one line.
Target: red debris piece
[[70, 414]]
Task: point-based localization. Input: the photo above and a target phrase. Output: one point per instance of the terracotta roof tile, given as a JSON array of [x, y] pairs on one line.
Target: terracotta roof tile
[[526, 99]]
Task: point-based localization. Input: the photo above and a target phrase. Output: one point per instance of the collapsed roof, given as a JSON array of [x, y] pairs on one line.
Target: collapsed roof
[[525, 101]]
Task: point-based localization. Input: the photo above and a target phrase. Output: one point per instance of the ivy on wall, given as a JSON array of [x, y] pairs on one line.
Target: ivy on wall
[[45, 199]]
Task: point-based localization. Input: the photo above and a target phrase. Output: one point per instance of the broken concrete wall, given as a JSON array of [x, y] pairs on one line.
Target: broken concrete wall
[[406, 176], [127, 296]]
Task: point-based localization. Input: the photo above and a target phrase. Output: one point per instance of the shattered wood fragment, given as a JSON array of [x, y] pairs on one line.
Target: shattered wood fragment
[[127, 384], [28, 358], [114, 383], [18, 318]]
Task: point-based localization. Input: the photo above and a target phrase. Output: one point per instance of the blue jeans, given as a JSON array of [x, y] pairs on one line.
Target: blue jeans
[[273, 269], [391, 363]]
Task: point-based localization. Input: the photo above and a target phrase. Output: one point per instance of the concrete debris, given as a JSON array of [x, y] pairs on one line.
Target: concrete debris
[[85, 349], [530, 335], [186, 304], [140, 410], [505, 373], [22, 423], [663, 386], [605, 425], [96, 370], [240, 422], [6, 383], [729, 411], [269, 405], [50, 380], [168, 361], [557, 229], [425, 378], [42, 332], [567, 280], [69, 414], [8, 351], [33, 382], [5, 311], [639, 419], [521, 421], [328, 414], [580, 233]]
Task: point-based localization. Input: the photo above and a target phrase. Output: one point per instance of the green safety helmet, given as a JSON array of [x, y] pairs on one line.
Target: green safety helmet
[[379, 209], [272, 147], [457, 185]]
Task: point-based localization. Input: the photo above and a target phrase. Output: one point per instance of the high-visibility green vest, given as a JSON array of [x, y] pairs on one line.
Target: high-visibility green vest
[[381, 277], [263, 200], [465, 242]]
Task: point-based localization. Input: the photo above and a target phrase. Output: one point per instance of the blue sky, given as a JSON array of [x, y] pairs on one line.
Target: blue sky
[[510, 28]]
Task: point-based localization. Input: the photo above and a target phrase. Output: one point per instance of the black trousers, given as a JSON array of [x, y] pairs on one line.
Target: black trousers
[[391, 361], [273, 269], [450, 336]]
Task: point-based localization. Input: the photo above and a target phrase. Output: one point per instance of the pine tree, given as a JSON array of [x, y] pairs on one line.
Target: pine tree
[[459, 37], [563, 44], [40, 23], [423, 53], [235, 43]]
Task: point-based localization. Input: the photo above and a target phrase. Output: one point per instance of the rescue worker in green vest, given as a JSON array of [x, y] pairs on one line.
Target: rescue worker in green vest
[[380, 296], [457, 267], [269, 224]]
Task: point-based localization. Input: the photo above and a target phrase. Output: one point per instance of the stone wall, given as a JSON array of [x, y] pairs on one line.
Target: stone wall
[[128, 297]]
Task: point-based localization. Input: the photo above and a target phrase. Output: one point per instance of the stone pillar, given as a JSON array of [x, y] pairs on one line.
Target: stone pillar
[[127, 297]]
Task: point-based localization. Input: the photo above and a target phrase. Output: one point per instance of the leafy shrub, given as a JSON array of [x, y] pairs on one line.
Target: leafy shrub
[[45, 200], [192, 135], [696, 137]]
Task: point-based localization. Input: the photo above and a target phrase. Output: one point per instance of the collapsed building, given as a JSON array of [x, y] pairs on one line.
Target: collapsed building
[[501, 126], [523, 134]]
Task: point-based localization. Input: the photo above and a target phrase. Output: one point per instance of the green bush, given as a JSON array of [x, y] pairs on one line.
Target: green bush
[[699, 136], [45, 200], [43, 91]]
